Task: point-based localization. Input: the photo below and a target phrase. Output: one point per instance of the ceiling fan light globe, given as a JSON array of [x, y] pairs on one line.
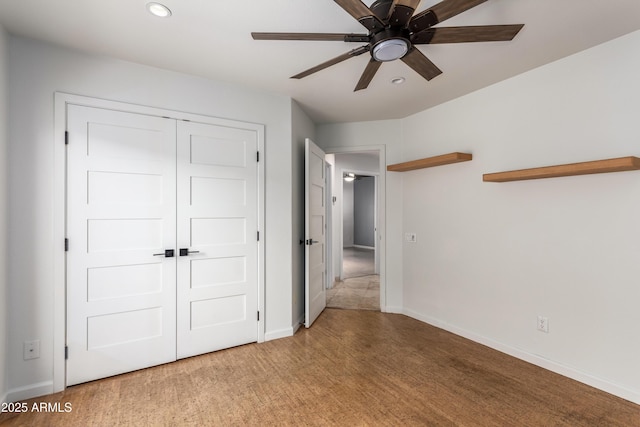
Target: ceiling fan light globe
[[389, 50]]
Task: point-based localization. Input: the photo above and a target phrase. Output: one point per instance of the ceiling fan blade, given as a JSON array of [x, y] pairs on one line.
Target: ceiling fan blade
[[441, 12], [421, 64], [401, 12], [362, 13], [337, 59], [367, 75], [343, 37], [470, 34]]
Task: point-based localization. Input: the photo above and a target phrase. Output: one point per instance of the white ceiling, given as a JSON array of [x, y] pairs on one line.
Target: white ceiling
[[211, 38]]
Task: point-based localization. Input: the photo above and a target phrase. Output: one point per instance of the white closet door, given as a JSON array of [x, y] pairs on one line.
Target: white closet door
[[121, 306], [217, 225]]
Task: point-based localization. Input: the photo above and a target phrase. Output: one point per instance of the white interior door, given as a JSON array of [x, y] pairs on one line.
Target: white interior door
[[162, 222], [315, 232], [121, 217], [217, 237]]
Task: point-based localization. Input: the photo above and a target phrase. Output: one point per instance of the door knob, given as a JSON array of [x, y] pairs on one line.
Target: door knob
[[186, 252], [168, 253]]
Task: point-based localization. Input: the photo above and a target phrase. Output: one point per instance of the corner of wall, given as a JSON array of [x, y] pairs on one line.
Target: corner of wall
[[3, 214]]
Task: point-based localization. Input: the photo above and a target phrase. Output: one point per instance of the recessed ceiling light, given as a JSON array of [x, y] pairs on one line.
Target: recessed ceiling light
[[397, 80], [158, 9]]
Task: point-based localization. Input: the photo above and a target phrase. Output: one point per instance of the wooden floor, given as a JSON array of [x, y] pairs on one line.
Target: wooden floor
[[351, 368]]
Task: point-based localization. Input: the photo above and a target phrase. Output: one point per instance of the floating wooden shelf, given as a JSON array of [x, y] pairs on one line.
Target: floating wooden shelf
[[428, 162], [620, 164]]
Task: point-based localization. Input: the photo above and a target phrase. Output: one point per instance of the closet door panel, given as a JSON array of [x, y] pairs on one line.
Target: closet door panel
[[217, 225], [121, 198]]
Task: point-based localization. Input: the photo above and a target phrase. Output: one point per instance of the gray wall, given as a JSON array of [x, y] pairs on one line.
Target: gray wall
[[364, 211], [3, 215]]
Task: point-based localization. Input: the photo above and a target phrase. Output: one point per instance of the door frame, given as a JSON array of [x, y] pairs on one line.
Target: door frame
[[376, 243], [380, 212], [329, 170], [61, 100]]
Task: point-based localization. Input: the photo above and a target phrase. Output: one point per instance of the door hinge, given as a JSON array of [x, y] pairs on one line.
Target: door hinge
[[257, 156], [66, 137], [66, 352], [258, 316], [258, 235], [66, 245]]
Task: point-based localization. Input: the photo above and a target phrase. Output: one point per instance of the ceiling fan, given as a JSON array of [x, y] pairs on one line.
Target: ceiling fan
[[394, 31]]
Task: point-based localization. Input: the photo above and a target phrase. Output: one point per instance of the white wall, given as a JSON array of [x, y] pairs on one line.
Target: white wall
[[36, 71], [302, 127], [491, 257], [361, 136], [3, 215]]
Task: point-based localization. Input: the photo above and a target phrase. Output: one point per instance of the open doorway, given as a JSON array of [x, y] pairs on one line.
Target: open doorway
[[356, 243]]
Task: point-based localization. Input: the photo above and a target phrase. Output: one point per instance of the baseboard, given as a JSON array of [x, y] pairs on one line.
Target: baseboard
[[394, 310], [29, 391], [299, 323], [558, 368], [280, 333]]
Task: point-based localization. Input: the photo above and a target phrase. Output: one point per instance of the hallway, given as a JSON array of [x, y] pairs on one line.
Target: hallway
[[360, 289]]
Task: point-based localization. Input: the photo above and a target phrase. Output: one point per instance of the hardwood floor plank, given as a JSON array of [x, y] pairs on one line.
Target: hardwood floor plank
[[351, 368]]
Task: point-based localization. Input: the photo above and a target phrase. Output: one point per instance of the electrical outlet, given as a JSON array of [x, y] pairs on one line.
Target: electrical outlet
[[411, 237], [31, 350], [543, 324]]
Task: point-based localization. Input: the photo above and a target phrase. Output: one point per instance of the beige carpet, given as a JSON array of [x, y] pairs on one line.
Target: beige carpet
[[358, 293], [357, 262]]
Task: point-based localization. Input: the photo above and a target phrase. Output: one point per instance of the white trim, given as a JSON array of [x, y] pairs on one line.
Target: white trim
[[328, 183], [558, 368], [393, 309], [369, 248], [61, 100], [281, 333], [297, 325], [29, 391], [381, 211], [59, 233], [262, 229]]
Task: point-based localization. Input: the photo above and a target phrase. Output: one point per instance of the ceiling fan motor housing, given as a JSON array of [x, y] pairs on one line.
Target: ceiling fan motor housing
[[389, 45], [381, 8], [391, 42]]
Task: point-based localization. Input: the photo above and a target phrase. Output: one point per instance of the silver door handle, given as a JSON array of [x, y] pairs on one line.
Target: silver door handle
[[168, 253], [311, 242], [186, 252]]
